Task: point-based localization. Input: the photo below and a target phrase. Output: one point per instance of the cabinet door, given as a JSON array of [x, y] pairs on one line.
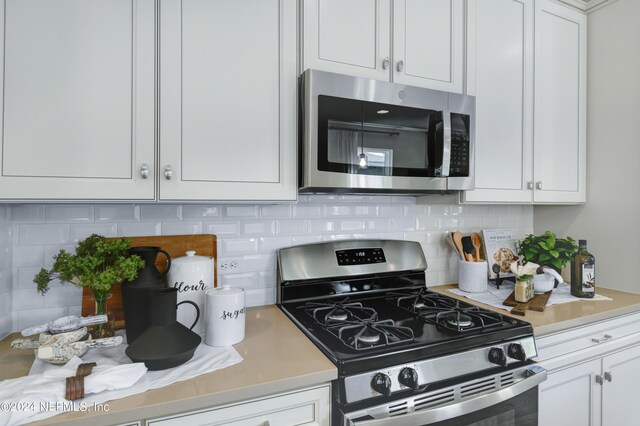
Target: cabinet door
[[78, 99], [560, 104], [571, 396], [428, 45], [228, 100], [621, 372], [348, 37], [500, 76]]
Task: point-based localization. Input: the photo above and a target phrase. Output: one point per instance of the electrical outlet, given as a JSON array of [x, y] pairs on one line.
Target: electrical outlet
[[229, 265]]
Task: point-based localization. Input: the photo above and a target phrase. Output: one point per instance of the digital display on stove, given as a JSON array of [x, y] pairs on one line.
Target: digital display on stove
[[362, 256]]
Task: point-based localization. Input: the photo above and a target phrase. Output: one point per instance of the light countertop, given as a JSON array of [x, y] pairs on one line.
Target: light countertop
[[277, 358], [556, 318]]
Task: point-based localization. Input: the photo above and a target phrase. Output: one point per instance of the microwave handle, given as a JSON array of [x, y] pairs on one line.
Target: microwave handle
[[437, 414], [446, 143]]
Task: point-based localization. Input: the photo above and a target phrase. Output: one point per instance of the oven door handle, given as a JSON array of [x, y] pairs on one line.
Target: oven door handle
[[458, 409]]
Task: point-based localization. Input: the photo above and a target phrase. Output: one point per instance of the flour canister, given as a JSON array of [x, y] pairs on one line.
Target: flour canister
[[224, 316], [192, 275]]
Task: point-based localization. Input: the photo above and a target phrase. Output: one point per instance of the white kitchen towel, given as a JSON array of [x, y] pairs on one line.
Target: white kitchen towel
[[494, 297], [24, 405]]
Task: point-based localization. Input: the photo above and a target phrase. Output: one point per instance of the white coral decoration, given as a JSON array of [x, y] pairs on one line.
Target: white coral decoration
[[528, 268]]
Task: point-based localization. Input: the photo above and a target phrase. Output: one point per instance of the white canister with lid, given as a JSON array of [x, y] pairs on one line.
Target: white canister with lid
[[224, 316], [192, 275]]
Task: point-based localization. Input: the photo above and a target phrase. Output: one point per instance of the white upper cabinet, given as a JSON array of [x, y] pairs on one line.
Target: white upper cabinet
[[560, 118], [526, 65], [228, 100], [78, 99], [414, 42]]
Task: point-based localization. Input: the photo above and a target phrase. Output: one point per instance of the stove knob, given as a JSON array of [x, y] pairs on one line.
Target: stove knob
[[516, 351], [381, 383], [497, 356], [409, 378]]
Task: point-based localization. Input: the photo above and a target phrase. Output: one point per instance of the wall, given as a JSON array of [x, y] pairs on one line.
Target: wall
[[613, 190], [248, 234], [6, 290]]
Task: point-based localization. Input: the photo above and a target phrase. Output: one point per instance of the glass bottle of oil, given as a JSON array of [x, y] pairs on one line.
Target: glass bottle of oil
[[583, 272]]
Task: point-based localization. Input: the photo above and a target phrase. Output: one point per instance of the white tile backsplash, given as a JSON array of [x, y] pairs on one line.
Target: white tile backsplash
[[249, 235]]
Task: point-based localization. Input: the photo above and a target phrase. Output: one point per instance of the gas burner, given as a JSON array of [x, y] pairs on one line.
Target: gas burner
[[332, 313], [458, 320], [372, 334], [416, 302]]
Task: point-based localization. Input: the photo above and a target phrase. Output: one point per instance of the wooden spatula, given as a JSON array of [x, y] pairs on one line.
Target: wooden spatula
[[477, 243]]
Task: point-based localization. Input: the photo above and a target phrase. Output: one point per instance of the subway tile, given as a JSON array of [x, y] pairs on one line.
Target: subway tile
[[51, 251], [6, 236], [75, 310], [117, 212], [27, 256], [322, 226], [438, 210], [490, 222], [291, 227], [267, 279], [323, 198], [68, 213], [403, 224], [308, 211], [6, 280], [507, 222], [161, 212], [27, 213], [140, 229], [426, 223], [5, 302], [276, 211], [337, 237], [63, 296], [305, 239], [51, 233], [260, 262], [364, 210], [5, 257], [417, 210], [352, 225], [456, 210], [340, 210], [30, 317], [499, 210], [243, 212], [5, 215], [478, 209], [245, 281], [392, 210], [24, 277], [181, 228], [378, 225], [78, 232], [238, 246], [271, 244], [261, 297], [352, 198], [403, 199], [262, 228], [197, 212], [392, 235], [225, 228], [27, 298]]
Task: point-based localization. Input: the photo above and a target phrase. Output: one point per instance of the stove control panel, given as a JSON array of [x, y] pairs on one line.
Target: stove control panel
[[361, 256]]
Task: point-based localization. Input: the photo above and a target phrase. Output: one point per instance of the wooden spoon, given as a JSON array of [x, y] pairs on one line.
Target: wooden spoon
[[477, 243], [457, 241]]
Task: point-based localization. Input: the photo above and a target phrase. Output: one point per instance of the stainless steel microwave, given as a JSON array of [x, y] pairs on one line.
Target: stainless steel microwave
[[368, 136]]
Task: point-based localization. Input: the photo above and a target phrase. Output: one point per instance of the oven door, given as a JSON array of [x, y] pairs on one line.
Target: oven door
[[507, 399]]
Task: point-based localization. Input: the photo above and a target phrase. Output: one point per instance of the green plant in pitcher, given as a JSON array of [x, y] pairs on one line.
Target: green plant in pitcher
[[547, 250]]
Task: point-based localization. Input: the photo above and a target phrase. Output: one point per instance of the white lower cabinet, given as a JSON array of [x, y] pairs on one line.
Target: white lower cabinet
[[593, 374], [307, 407]]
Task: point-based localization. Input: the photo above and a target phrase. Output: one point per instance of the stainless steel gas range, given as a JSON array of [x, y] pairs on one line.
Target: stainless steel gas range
[[406, 355]]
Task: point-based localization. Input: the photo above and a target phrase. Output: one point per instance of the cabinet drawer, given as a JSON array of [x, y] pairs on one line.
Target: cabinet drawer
[[309, 407]]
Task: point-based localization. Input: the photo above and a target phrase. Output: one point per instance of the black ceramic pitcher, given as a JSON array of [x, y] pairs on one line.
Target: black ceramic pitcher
[[136, 293], [165, 343]]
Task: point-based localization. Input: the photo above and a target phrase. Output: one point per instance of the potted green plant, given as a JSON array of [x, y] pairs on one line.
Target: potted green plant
[[547, 250], [97, 264]]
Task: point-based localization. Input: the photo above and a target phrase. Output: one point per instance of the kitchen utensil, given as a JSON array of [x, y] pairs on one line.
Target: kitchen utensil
[[467, 246], [64, 324], [543, 283], [477, 243], [165, 343], [51, 339], [538, 303], [472, 276], [192, 275], [136, 293], [457, 241], [224, 316], [69, 350]]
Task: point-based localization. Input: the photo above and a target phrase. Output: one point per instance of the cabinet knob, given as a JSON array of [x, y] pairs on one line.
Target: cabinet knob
[[400, 66], [539, 184], [168, 172], [607, 376], [530, 185], [144, 171], [599, 379], [385, 63]]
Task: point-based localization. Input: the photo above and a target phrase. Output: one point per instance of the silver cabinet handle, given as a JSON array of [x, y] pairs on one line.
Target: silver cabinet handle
[[606, 338], [530, 185], [539, 184], [144, 171], [607, 376], [168, 172], [599, 379], [400, 66], [385, 63]]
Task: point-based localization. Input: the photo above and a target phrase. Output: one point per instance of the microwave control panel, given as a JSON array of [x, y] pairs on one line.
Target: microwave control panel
[[459, 163]]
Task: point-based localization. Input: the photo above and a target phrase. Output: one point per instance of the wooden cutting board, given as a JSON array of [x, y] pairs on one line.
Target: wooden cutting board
[[175, 245], [537, 303]]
